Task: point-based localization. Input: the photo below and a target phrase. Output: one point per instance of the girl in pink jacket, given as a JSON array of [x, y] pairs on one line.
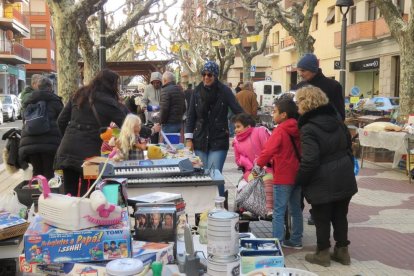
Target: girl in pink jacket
[[248, 144]]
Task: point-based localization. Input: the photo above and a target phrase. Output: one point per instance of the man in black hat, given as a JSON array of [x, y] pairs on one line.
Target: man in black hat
[[308, 69]]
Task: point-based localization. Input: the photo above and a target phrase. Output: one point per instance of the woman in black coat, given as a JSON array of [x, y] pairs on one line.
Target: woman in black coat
[[326, 173], [80, 126], [39, 150], [207, 129]]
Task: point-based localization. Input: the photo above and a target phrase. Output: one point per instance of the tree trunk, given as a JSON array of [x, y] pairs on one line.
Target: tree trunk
[[91, 65], [406, 76], [304, 45], [247, 64], [67, 39]]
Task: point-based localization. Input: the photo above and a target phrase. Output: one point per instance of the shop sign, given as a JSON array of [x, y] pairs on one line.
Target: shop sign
[[3, 68], [368, 64]]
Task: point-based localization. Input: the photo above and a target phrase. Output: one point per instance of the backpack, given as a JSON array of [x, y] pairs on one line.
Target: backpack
[[36, 118]]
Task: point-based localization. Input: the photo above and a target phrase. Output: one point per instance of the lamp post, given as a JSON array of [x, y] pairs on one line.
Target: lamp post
[[344, 6], [102, 42]]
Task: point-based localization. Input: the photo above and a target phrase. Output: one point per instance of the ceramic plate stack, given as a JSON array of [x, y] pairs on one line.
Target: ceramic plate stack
[[223, 244]]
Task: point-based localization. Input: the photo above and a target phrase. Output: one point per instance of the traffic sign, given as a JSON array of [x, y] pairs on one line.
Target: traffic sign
[[268, 78], [252, 74], [253, 68]]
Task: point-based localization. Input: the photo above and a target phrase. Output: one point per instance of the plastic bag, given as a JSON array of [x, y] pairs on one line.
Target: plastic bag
[[253, 196], [356, 166], [11, 204]]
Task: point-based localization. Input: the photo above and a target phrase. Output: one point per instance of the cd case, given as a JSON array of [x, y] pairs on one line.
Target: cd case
[[155, 222]]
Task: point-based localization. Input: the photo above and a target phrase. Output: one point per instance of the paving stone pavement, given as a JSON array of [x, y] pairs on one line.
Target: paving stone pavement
[[381, 224]]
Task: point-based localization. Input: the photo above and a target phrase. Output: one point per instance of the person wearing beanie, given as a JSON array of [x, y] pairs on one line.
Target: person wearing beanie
[[207, 129], [309, 71]]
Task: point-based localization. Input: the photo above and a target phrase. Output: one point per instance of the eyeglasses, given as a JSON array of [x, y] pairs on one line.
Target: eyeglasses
[[207, 74]]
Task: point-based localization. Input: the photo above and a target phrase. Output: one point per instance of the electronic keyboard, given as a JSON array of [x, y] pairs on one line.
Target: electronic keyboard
[[148, 168]]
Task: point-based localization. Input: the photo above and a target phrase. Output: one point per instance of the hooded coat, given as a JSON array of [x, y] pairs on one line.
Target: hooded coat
[[80, 129], [247, 147], [326, 170], [49, 141], [172, 104], [280, 152], [152, 95]]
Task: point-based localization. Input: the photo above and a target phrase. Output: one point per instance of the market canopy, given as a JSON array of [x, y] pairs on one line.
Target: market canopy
[[136, 68]]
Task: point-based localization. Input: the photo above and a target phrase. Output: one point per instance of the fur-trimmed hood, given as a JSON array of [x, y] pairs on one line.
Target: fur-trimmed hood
[[318, 117]]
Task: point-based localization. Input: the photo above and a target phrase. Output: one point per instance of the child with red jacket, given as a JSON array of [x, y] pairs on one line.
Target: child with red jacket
[[282, 150]]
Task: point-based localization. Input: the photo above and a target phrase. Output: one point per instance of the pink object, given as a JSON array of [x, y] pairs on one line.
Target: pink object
[[105, 212], [247, 147], [44, 182], [112, 154]]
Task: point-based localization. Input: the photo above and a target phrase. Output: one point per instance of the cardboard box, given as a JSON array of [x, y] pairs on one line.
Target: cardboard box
[[71, 269], [260, 253], [91, 167], [47, 244], [149, 252]]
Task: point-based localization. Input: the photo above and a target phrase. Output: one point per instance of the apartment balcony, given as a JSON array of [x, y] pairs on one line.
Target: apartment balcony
[[272, 51], [288, 44], [365, 32], [16, 22], [15, 54]]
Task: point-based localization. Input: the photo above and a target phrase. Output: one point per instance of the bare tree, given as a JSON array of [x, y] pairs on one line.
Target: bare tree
[[228, 22], [403, 32], [296, 20], [69, 20]]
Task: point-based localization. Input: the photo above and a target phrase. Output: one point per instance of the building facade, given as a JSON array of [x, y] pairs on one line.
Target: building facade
[[14, 28], [41, 43], [373, 65]]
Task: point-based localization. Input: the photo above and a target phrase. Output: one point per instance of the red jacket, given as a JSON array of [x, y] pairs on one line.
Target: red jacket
[[280, 152]]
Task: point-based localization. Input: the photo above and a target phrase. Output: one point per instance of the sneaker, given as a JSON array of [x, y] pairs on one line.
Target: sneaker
[[289, 244]]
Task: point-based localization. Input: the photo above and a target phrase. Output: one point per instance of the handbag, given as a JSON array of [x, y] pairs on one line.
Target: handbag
[[253, 197]]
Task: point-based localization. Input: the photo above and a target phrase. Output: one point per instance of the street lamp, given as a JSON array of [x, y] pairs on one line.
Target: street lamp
[[344, 6], [102, 42]]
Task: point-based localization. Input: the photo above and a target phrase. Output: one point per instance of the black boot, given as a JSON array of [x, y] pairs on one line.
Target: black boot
[[320, 257], [341, 255]]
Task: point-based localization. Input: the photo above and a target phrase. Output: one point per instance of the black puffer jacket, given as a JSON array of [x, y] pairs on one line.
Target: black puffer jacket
[[47, 142], [172, 104], [326, 170], [81, 130], [210, 129], [331, 88]]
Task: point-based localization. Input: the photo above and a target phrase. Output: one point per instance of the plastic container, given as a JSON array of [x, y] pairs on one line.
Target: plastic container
[[173, 137], [124, 267]]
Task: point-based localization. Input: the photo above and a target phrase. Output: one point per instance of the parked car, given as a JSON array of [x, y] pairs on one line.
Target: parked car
[[378, 105], [11, 107]]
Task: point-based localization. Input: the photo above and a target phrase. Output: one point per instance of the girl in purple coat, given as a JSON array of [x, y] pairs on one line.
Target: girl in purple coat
[[248, 144]]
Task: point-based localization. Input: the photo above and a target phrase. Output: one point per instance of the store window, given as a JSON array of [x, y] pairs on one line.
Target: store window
[[352, 15], [38, 31], [372, 10], [330, 19], [39, 55]]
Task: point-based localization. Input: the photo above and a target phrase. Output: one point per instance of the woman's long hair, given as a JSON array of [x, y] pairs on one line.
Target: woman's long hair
[[106, 81], [127, 138]]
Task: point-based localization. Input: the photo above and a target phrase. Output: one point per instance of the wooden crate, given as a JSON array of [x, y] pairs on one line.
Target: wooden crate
[[378, 155]]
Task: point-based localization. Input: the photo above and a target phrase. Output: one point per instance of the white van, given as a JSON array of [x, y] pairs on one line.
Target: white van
[[266, 91]]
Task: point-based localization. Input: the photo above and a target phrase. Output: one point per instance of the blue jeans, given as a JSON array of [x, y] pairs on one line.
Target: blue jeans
[[171, 128], [214, 159], [282, 196]]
